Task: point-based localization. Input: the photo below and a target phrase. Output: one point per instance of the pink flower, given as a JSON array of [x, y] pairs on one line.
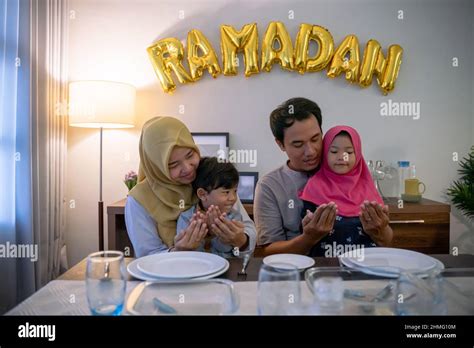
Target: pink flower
[[131, 179]]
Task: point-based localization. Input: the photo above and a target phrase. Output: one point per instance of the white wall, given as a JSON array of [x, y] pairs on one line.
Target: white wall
[[108, 40]]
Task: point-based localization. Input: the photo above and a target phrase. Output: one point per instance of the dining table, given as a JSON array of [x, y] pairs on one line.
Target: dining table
[[78, 272], [66, 295]]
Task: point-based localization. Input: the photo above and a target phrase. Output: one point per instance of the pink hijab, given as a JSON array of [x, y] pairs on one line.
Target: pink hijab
[[348, 190]]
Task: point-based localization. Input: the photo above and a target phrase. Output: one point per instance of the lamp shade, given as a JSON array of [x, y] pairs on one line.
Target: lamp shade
[[101, 104]]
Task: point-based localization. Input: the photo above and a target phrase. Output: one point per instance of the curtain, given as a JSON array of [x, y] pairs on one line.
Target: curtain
[[10, 69], [49, 120], [33, 144]]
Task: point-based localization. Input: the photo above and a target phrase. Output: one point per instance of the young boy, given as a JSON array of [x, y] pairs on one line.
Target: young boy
[[216, 185]]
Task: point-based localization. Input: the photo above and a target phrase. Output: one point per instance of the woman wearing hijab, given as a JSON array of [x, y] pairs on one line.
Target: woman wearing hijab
[[168, 162], [344, 180]]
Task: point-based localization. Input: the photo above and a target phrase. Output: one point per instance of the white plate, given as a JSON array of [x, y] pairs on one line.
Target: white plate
[[299, 261], [180, 264], [385, 261], [387, 273], [135, 272], [393, 257]]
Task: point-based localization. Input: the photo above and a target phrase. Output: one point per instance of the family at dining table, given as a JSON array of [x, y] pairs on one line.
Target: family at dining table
[[322, 197]]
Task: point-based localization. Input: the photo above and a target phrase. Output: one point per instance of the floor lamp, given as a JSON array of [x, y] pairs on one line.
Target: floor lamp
[[101, 104]]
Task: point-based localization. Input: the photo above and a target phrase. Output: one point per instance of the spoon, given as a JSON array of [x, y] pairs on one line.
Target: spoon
[[163, 307]]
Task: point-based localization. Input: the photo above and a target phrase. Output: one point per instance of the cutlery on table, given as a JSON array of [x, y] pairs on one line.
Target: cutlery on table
[[372, 300], [380, 296], [361, 295], [245, 263], [163, 307]]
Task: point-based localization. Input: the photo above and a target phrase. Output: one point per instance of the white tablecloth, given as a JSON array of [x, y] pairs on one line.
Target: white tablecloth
[[68, 297]]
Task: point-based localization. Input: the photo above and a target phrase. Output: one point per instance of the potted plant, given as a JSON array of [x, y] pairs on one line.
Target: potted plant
[[130, 179], [462, 190]]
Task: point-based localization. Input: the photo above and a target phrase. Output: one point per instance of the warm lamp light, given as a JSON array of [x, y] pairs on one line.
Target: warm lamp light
[[96, 104], [101, 104]]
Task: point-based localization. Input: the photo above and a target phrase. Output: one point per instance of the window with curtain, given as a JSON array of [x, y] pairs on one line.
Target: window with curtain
[[33, 80], [12, 68]]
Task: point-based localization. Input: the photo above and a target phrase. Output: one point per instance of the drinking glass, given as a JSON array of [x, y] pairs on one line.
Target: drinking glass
[[278, 289], [420, 294], [328, 295], [105, 282]]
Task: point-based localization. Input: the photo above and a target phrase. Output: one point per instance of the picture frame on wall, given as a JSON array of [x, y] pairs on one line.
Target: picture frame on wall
[[212, 144], [247, 185]]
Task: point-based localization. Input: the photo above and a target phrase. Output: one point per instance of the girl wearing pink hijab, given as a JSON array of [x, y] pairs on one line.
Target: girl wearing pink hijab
[[344, 179]]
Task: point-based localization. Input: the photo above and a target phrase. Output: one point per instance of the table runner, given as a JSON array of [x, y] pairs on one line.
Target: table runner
[[68, 297]]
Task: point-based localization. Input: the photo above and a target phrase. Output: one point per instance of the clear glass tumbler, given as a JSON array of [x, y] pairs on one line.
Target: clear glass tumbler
[[279, 289], [106, 282]]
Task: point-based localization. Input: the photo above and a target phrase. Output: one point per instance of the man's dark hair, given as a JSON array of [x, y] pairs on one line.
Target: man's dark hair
[[294, 109], [212, 174]]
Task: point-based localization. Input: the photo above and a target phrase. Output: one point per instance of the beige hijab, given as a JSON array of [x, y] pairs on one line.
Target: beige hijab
[[163, 198]]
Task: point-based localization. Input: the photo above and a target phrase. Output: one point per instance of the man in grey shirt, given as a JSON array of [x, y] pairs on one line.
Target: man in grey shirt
[[296, 126]]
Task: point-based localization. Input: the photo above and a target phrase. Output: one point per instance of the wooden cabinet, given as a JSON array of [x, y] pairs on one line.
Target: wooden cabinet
[[422, 226], [117, 230]]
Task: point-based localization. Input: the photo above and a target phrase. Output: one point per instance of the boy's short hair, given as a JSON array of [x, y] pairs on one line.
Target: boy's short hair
[[212, 174]]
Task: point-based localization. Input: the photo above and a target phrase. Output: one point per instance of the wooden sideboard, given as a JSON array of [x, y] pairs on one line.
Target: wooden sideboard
[[422, 226]]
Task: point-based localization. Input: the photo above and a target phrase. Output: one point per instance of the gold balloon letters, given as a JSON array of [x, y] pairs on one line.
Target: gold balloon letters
[[167, 56], [233, 41]]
